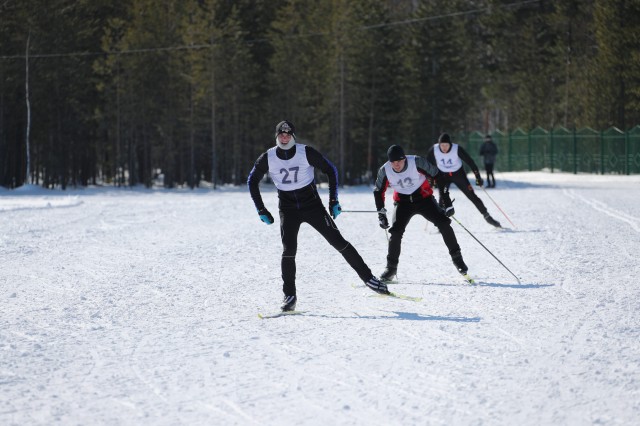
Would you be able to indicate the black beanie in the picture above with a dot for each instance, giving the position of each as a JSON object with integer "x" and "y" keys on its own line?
{"x": 285, "y": 127}
{"x": 395, "y": 153}
{"x": 444, "y": 138}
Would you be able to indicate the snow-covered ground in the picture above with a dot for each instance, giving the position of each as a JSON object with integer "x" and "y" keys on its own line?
{"x": 140, "y": 307}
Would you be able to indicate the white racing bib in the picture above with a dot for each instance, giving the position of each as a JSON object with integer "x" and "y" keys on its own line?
{"x": 449, "y": 162}
{"x": 291, "y": 174}
{"x": 407, "y": 181}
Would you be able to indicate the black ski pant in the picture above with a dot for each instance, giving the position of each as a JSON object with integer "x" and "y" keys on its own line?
{"x": 319, "y": 219}
{"x": 491, "y": 179}
{"x": 427, "y": 208}
{"x": 459, "y": 177}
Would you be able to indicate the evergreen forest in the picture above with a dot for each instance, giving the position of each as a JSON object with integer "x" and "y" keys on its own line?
{"x": 183, "y": 93}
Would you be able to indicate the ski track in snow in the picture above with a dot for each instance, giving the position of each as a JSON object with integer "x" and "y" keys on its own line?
{"x": 600, "y": 206}
{"x": 140, "y": 307}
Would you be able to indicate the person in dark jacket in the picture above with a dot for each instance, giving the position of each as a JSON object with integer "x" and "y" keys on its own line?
{"x": 408, "y": 176}
{"x": 489, "y": 151}
{"x": 448, "y": 157}
{"x": 291, "y": 167}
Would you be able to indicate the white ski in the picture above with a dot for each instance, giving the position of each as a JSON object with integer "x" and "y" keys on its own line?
{"x": 280, "y": 314}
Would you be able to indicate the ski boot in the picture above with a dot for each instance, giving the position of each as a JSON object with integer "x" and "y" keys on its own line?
{"x": 459, "y": 263}
{"x": 289, "y": 303}
{"x": 379, "y": 287}
{"x": 388, "y": 275}
{"x": 491, "y": 220}
{"x": 462, "y": 267}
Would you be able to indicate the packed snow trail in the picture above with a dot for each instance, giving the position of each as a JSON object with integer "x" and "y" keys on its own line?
{"x": 140, "y": 307}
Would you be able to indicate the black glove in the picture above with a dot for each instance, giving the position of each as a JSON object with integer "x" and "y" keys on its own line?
{"x": 479, "y": 180}
{"x": 334, "y": 208}
{"x": 265, "y": 216}
{"x": 382, "y": 218}
{"x": 432, "y": 182}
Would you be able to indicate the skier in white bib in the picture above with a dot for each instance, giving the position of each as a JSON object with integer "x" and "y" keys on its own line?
{"x": 291, "y": 166}
{"x": 448, "y": 157}
{"x": 408, "y": 176}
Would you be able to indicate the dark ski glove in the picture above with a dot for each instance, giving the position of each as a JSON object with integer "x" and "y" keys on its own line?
{"x": 432, "y": 182}
{"x": 265, "y": 216}
{"x": 479, "y": 180}
{"x": 382, "y": 218}
{"x": 334, "y": 208}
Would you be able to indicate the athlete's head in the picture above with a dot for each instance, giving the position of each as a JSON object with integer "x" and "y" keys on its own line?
{"x": 445, "y": 142}
{"x": 396, "y": 156}
{"x": 395, "y": 153}
{"x": 285, "y": 134}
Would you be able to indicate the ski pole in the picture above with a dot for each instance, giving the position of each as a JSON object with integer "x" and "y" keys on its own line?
{"x": 494, "y": 256}
{"x": 505, "y": 215}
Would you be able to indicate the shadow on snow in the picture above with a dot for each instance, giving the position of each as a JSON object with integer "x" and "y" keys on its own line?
{"x": 403, "y": 316}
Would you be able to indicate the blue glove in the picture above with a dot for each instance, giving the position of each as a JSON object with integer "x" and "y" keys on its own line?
{"x": 334, "y": 208}
{"x": 265, "y": 216}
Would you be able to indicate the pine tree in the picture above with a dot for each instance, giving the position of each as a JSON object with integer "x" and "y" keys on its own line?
{"x": 615, "y": 75}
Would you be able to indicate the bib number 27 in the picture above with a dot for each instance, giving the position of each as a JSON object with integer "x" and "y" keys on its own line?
{"x": 287, "y": 174}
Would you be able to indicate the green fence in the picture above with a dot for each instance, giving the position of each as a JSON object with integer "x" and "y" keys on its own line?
{"x": 611, "y": 151}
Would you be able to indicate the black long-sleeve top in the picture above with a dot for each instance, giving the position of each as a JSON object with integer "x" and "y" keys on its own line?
{"x": 382, "y": 182}
{"x": 462, "y": 153}
{"x": 298, "y": 199}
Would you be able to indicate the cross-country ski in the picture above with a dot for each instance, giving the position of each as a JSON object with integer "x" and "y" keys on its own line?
{"x": 280, "y": 314}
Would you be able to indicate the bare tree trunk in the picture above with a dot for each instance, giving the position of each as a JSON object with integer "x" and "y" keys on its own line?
{"x": 4, "y": 161}
{"x": 214, "y": 142}
{"x": 192, "y": 150}
{"x": 235, "y": 178}
{"x": 28, "y": 179}
{"x": 370, "y": 166}
{"x": 118, "y": 178}
{"x": 342, "y": 130}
